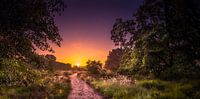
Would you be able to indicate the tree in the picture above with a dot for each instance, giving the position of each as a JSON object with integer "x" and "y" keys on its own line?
{"x": 26, "y": 25}
{"x": 164, "y": 37}
{"x": 94, "y": 67}
{"x": 50, "y": 57}
{"x": 69, "y": 65}
{"x": 38, "y": 61}
{"x": 113, "y": 59}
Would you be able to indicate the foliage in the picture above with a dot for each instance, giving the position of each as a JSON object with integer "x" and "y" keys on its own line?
{"x": 113, "y": 59}
{"x": 172, "y": 90}
{"x": 26, "y": 25}
{"x": 19, "y": 81}
{"x": 162, "y": 38}
{"x": 47, "y": 62}
{"x": 37, "y": 61}
{"x": 94, "y": 67}
{"x": 50, "y": 57}
{"x": 16, "y": 73}
{"x": 119, "y": 91}
{"x": 59, "y": 89}
{"x": 148, "y": 89}
{"x": 58, "y": 65}
{"x": 40, "y": 90}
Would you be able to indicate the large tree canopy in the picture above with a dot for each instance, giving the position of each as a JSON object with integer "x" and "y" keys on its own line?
{"x": 26, "y": 25}
{"x": 164, "y": 36}
{"x": 113, "y": 59}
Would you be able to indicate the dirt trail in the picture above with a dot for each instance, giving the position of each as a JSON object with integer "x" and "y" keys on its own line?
{"x": 81, "y": 90}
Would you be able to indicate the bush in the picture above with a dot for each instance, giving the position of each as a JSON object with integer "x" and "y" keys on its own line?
{"x": 94, "y": 67}
{"x": 16, "y": 73}
{"x": 48, "y": 87}
{"x": 50, "y": 90}
{"x": 113, "y": 60}
{"x": 154, "y": 84}
{"x": 149, "y": 89}
{"x": 181, "y": 71}
{"x": 115, "y": 90}
{"x": 38, "y": 61}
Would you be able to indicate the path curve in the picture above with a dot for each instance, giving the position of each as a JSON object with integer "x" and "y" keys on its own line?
{"x": 81, "y": 90}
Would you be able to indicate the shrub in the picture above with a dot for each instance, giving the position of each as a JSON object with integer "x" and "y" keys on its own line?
{"x": 48, "y": 86}
{"x": 181, "y": 71}
{"x": 38, "y": 61}
{"x": 16, "y": 73}
{"x": 94, "y": 67}
{"x": 114, "y": 58}
{"x": 154, "y": 84}
{"x": 149, "y": 89}
{"x": 116, "y": 90}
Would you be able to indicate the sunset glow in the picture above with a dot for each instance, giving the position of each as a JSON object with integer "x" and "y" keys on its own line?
{"x": 85, "y": 28}
{"x": 100, "y": 49}
{"x": 78, "y": 64}
{"x": 80, "y": 53}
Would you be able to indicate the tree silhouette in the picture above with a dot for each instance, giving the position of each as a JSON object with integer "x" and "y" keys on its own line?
{"x": 94, "y": 67}
{"x": 26, "y": 25}
{"x": 114, "y": 59}
{"x": 164, "y": 37}
{"x": 50, "y": 57}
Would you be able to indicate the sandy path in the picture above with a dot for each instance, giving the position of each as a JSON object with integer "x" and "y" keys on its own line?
{"x": 81, "y": 90}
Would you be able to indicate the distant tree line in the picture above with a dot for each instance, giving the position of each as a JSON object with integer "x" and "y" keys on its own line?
{"x": 54, "y": 65}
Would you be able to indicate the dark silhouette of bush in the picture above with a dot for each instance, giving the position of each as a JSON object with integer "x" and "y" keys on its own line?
{"x": 94, "y": 67}
{"x": 50, "y": 57}
{"x": 113, "y": 59}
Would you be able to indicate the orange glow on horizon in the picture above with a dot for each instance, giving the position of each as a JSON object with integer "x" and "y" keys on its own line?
{"x": 79, "y": 53}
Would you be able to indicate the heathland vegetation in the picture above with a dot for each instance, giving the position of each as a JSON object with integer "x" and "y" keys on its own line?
{"x": 159, "y": 54}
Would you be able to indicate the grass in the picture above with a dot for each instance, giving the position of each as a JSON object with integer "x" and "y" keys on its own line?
{"x": 149, "y": 89}
{"x": 117, "y": 91}
{"x": 57, "y": 91}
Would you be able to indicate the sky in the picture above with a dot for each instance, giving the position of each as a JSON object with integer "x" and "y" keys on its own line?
{"x": 85, "y": 27}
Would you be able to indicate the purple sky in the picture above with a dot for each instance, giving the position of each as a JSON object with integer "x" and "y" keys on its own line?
{"x": 85, "y": 27}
